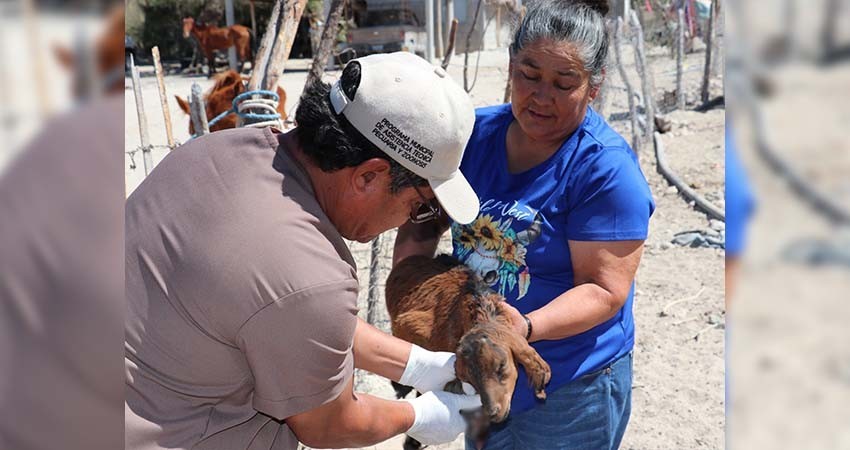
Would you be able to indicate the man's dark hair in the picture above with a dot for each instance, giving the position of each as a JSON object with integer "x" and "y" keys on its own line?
{"x": 330, "y": 140}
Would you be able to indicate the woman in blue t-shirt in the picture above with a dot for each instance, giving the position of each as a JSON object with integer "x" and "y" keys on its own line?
{"x": 564, "y": 213}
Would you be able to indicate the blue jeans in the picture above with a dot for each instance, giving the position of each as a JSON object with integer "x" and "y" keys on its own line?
{"x": 590, "y": 413}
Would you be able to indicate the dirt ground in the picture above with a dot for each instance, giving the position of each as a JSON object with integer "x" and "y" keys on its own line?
{"x": 678, "y": 397}
{"x": 789, "y": 341}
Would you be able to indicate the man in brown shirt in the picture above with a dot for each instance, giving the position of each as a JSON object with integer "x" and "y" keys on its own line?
{"x": 241, "y": 329}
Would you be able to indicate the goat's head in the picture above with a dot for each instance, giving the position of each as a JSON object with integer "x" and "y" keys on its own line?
{"x": 486, "y": 361}
{"x": 487, "y": 358}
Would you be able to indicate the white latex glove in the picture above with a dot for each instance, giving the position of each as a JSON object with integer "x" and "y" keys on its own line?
{"x": 428, "y": 371}
{"x": 437, "y": 416}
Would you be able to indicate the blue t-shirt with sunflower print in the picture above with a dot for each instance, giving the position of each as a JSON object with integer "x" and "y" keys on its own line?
{"x": 591, "y": 189}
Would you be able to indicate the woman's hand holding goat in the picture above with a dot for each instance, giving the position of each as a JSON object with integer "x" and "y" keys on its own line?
{"x": 518, "y": 321}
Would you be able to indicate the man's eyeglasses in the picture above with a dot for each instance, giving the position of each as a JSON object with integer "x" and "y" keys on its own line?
{"x": 427, "y": 209}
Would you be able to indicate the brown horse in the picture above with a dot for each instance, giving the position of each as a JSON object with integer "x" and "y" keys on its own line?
{"x": 220, "y": 97}
{"x": 212, "y": 38}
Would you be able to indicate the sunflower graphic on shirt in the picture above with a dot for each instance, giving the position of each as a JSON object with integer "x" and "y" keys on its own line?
{"x": 496, "y": 252}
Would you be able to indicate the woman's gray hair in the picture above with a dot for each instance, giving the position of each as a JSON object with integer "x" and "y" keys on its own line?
{"x": 578, "y": 22}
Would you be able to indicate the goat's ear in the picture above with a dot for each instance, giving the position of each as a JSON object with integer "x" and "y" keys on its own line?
{"x": 281, "y": 104}
{"x": 460, "y": 367}
{"x": 238, "y": 87}
{"x": 461, "y": 371}
{"x": 183, "y": 104}
{"x": 65, "y": 56}
{"x": 537, "y": 369}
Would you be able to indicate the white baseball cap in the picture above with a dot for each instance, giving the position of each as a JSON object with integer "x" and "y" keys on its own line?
{"x": 417, "y": 115}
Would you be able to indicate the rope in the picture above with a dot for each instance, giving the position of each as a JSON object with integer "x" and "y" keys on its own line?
{"x": 242, "y": 104}
{"x": 271, "y": 117}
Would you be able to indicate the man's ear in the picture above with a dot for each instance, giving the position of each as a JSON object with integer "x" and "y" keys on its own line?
{"x": 371, "y": 174}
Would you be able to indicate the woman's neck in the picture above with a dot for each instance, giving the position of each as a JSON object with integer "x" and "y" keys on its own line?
{"x": 524, "y": 152}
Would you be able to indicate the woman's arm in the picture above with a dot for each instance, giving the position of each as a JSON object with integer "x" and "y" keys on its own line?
{"x": 604, "y": 272}
{"x": 419, "y": 239}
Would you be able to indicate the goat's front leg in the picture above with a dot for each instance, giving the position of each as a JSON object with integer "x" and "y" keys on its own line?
{"x": 536, "y": 368}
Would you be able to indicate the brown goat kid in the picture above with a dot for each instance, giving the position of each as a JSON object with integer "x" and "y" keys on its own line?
{"x": 441, "y": 305}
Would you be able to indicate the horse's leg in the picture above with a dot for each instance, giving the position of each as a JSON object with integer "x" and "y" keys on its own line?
{"x": 246, "y": 52}
{"x": 240, "y": 53}
{"x": 210, "y": 62}
{"x": 242, "y": 42}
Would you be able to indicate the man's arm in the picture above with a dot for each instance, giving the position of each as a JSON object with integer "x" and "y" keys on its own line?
{"x": 398, "y": 360}
{"x": 358, "y": 420}
{"x": 378, "y": 352}
{"x": 352, "y": 420}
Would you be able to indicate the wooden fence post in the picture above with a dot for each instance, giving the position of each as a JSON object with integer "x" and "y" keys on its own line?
{"x": 291, "y": 15}
{"x": 680, "y": 55}
{"x": 450, "y": 45}
{"x": 466, "y": 86}
{"x": 618, "y": 30}
{"x": 706, "y": 76}
{"x": 275, "y": 47}
{"x": 323, "y": 52}
{"x": 646, "y": 76}
{"x": 438, "y": 33}
{"x": 374, "y": 268}
{"x": 253, "y": 19}
{"x": 198, "y": 111}
{"x": 143, "y": 120}
{"x": 163, "y": 96}
{"x": 261, "y": 59}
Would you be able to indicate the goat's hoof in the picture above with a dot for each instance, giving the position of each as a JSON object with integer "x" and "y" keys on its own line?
{"x": 540, "y": 380}
{"x": 541, "y": 395}
{"x": 401, "y": 390}
{"x": 411, "y": 444}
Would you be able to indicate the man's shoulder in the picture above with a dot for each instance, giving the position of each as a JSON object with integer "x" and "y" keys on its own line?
{"x": 232, "y": 141}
